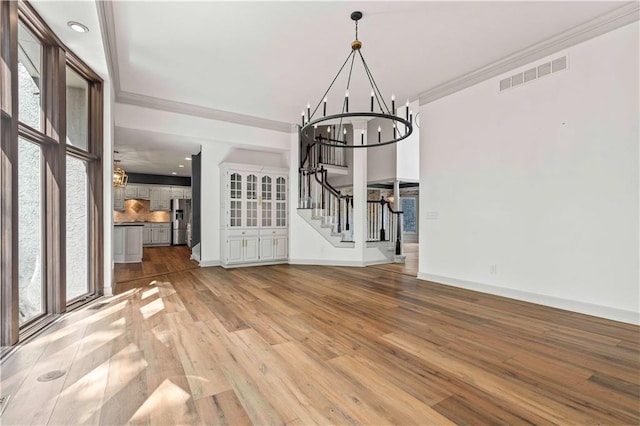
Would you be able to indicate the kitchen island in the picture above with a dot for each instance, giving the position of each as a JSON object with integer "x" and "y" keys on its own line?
{"x": 127, "y": 242}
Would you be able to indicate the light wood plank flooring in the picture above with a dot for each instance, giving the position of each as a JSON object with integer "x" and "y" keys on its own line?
{"x": 322, "y": 345}
{"x": 156, "y": 261}
{"x": 409, "y": 267}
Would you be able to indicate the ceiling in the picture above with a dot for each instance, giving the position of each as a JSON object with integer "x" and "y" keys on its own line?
{"x": 269, "y": 59}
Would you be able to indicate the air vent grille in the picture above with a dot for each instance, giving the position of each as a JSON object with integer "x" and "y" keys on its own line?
{"x": 534, "y": 73}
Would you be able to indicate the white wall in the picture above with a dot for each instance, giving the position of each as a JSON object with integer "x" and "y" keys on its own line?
{"x": 540, "y": 181}
{"x": 408, "y": 152}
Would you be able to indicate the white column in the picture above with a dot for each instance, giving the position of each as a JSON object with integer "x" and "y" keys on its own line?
{"x": 359, "y": 222}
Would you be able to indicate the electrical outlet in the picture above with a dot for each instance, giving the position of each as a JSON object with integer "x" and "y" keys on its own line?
{"x": 493, "y": 269}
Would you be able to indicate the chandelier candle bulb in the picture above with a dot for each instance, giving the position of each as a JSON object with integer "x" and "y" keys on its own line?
{"x": 303, "y": 118}
{"x": 378, "y": 109}
{"x": 411, "y": 116}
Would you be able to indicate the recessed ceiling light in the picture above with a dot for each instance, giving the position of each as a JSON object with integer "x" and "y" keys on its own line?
{"x": 174, "y": 173}
{"x": 180, "y": 165}
{"x": 78, "y": 27}
{"x": 187, "y": 158}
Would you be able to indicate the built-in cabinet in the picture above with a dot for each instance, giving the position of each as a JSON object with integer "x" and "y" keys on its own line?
{"x": 254, "y": 215}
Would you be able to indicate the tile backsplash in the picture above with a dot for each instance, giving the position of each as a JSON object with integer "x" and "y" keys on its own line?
{"x": 138, "y": 211}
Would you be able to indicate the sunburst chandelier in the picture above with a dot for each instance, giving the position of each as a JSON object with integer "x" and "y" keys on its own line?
{"x": 313, "y": 123}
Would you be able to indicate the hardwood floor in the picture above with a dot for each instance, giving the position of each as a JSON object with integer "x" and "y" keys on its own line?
{"x": 156, "y": 261}
{"x": 409, "y": 267}
{"x": 317, "y": 345}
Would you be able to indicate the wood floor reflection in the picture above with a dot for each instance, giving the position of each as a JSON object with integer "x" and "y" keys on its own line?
{"x": 156, "y": 261}
{"x": 322, "y": 345}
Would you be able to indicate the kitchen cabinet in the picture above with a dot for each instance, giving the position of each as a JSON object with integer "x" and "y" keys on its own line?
{"x": 127, "y": 243}
{"x": 254, "y": 215}
{"x": 177, "y": 192}
{"x": 118, "y": 199}
{"x": 137, "y": 192}
{"x": 157, "y": 234}
{"x": 146, "y": 234}
{"x": 159, "y": 200}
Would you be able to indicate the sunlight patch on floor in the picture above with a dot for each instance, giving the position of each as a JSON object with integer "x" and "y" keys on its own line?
{"x": 150, "y": 309}
{"x": 168, "y": 399}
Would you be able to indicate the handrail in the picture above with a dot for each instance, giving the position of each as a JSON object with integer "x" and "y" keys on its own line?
{"x": 378, "y": 225}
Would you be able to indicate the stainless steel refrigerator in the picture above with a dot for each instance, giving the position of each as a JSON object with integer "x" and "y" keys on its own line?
{"x": 180, "y": 220}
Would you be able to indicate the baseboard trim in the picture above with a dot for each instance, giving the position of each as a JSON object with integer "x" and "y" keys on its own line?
{"x": 242, "y": 265}
{"x": 377, "y": 262}
{"x": 207, "y": 263}
{"x": 607, "y": 312}
{"x": 325, "y": 262}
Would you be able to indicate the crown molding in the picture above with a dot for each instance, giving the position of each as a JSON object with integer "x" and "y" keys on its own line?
{"x": 200, "y": 111}
{"x": 107, "y": 30}
{"x": 619, "y": 17}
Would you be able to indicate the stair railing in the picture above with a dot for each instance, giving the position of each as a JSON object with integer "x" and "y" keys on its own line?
{"x": 327, "y": 202}
{"x": 384, "y": 223}
{"x": 317, "y": 155}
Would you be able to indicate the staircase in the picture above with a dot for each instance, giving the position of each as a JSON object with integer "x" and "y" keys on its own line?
{"x": 330, "y": 212}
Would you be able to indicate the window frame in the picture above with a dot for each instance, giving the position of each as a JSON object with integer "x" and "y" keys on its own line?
{"x": 52, "y": 140}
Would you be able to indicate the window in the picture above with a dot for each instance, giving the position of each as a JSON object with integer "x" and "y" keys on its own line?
{"x": 29, "y": 77}
{"x": 31, "y": 293}
{"x": 409, "y": 214}
{"x": 77, "y": 228}
{"x": 53, "y": 202}
{"x": 77, "y": 110}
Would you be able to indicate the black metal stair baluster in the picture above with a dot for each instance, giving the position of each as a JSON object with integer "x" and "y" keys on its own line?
{"x": 382, "y": 231}
{"x": 398, "y": 234}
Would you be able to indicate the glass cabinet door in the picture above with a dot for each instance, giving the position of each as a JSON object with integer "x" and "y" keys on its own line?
{"x": 252, "y": 200}
{"x": 235, "y": 202}
{"x": 267, "y": 201}
{"x": 281, "y": 201}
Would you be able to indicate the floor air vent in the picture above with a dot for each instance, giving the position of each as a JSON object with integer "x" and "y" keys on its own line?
{"x": 534, "y": 73}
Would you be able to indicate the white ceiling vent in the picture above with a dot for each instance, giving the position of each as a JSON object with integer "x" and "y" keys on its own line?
{"x": 534, "y": 73}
